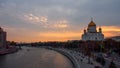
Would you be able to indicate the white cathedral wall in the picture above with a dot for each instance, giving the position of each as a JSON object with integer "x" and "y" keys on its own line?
{"x": 93, "y": 36}
{"x": 92, "y": 29}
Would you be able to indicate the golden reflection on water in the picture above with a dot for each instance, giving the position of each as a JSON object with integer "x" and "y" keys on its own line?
{"x": 61, "y": 60}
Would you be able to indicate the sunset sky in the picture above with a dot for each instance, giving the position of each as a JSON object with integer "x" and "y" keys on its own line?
{"x": 57, "y": 20}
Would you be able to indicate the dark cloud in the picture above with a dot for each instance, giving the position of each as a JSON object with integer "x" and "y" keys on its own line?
{"x": 76, "y": 12}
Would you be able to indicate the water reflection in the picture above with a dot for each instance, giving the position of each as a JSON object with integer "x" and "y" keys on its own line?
{"x": 35, "y": 58}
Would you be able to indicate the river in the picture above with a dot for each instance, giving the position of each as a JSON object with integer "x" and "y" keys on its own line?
{"x": 30, "y": 57}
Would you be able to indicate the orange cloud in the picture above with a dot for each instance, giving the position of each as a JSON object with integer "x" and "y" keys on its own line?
{"x": 24, "y": 35}
{"x": 110, "y": 31}
{"x": 60, "y": 36}
{"x": 46, "y": 36}
{"x": 111, "y": 28}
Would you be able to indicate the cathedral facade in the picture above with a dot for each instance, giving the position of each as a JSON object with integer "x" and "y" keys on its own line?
{"x": 92, "y": 34}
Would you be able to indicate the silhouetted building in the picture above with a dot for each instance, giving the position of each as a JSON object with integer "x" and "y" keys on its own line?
{"x": 116, "y": 38}
{"x": 92, "y": 34}
{"x": 2, "y": 38}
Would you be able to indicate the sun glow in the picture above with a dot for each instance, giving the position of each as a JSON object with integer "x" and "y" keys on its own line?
{"x": 110, "y": 31}
{"x": 24, "y": 35}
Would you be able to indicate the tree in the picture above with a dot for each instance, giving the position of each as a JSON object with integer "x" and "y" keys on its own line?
{"x": 12, "y": 43}
{"x": 112, "y": 65}
{"x": 101, "y": 60}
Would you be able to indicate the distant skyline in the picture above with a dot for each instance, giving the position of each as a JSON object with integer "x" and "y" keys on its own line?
{"x": 57, "y": 20}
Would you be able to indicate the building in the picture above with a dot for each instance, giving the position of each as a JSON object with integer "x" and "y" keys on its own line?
{"x": 116, "y": 38}
{"x": 92, "y": 34}
{"x": 2, "y": 38}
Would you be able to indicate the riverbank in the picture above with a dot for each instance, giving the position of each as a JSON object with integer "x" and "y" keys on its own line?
{"x": 5, "y": 51}
{"x": 85, "y": 61}
{"x": 68, "y": 55}
{"x": 78, "y": 59}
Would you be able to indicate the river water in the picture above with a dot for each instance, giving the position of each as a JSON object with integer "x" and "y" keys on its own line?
{"x": 30, "y": 57}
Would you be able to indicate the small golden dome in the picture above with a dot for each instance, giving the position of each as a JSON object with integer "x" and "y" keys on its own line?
{"x": 1, "y": 29}
{"x": 91, "y": 24}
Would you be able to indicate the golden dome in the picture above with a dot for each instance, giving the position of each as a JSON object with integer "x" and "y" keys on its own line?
{"x": 1, "y": 29}
{"x": 91, "y": 24}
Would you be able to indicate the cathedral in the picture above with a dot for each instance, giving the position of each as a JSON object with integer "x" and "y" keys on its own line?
{"x": 92, "y": 34}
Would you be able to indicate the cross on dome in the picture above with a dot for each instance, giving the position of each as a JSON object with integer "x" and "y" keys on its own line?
{"x": 91, "y": 23}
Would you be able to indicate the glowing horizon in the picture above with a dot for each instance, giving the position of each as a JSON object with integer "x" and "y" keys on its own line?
{"x": 108, "y": 31}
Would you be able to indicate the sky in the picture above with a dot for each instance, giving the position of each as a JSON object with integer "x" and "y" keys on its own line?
{"x": 57, "y": 20}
